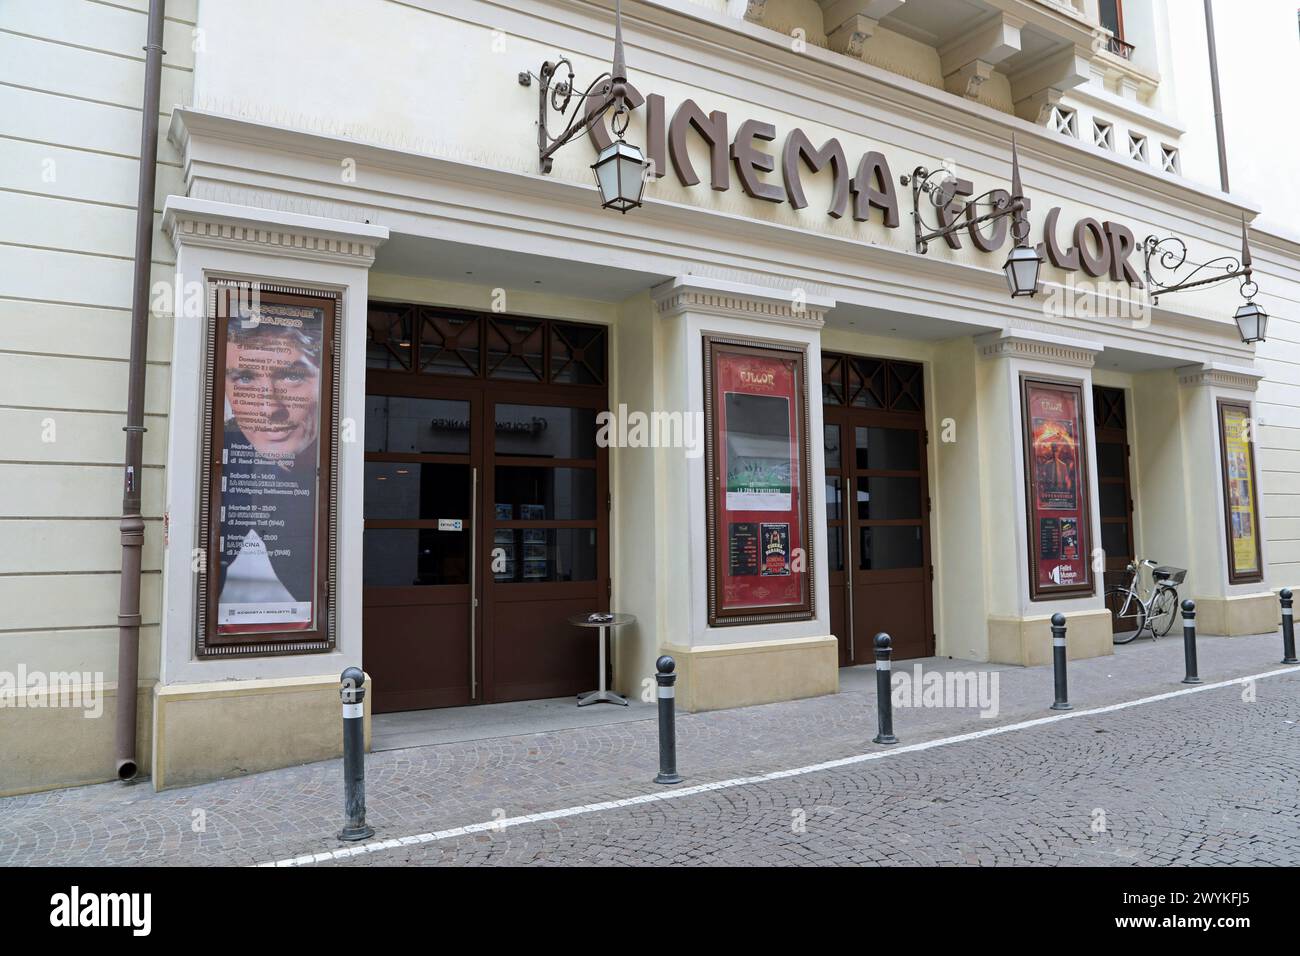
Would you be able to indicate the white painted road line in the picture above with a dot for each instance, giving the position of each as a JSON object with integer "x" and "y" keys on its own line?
{"x": 677, "y": 793}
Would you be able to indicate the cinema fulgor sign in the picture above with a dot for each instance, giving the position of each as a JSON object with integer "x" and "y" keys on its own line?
{"x": 1098, "y": 248}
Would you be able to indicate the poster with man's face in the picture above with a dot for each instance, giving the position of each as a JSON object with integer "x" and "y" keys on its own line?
{"x": 268, "y": 500}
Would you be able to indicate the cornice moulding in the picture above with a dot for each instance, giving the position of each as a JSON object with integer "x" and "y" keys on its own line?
{"x": 202, "y": 222}
{"x": 1038, "y": 346}
{"x": 717, "y": 297}
{"x": 1220, "y": 375}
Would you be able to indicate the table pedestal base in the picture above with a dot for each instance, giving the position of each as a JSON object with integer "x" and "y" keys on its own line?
{"x": 601, "y": 697}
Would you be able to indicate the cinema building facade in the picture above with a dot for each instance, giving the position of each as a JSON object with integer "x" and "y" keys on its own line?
{"x": 414, "y": 401}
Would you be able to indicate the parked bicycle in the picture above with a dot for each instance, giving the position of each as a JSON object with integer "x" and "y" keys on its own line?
{"x": 1156, "y": 611}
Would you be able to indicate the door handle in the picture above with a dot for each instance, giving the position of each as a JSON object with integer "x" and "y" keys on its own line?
{"x": 473, "y": 583}
{"x": 848, "y": 565}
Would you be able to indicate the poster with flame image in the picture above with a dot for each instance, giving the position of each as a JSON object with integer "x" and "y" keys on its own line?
{"x": 1056, "y": 464}
{"x": 1058, "y": 529}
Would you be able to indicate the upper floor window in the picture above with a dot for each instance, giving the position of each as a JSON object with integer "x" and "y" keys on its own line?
{"x": 1112, "y": 18}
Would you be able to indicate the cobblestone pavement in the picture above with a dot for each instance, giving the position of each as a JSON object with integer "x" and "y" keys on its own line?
{"x": 1204, "y": 778}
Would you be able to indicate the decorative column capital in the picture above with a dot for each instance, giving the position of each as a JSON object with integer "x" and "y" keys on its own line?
{"x": 1039, "y": 346}
{"x": 1220, "y": 375}
{"x": 797, "y": 306}
{"x": 270, "y": 232}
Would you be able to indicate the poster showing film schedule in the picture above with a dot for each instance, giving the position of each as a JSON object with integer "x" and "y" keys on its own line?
{"x": 758, "y": 473}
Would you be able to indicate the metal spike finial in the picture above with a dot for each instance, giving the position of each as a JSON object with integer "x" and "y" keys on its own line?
{"x": 618, "y": 72}
{"x": 1017, "y": 192}
{"x": 1245, "y": 247}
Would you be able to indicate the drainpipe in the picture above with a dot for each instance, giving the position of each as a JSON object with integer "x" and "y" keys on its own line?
{"x": 1214, "y": 89}
{"x": 132, "y": 524}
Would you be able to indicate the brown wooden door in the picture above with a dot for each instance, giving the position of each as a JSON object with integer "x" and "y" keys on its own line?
{"x": 545, "y": 544}
{"x": 1114, "y": 492}
{"x": 878, "y": 507}
{"x": 890, "y": 539}
{"x": 486, "y": 507}
{"x": 837, "y": 532}
{"x": 423, "y": 458}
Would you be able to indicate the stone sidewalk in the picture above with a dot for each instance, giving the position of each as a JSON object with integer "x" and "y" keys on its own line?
{"x": 296, "y": 811}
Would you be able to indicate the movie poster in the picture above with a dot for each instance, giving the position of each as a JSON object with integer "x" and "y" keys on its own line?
{"x": 1058, "y": 500}
{"x": 757, "y": 467}
{"x": 1239, "y": 482}
{"x": 268, "y": 498}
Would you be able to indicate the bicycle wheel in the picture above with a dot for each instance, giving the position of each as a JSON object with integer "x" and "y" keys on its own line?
{"x": 1164, "y": 608}
{"x": 1115, "y": 598}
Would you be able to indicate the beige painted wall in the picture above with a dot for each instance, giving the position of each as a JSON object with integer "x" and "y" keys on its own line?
{"x": 71, "y": 80}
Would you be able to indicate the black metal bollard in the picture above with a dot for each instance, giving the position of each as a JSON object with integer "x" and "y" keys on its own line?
{"x": 1189, "y": 641}
{"x": 1288, "y": 629}
{"x": 884, "y": 702}
{"x": 665, "y": 678}
{"x": 353, "y": 694}
{"x": 1058, "y": 663}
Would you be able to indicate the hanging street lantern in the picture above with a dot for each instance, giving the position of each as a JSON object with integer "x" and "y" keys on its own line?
{"x": 620, "y": 174}
{"x": 1022, "y": 271}
{"x": 1251, "y": 321}
{"x": 620, "y": 168}
{"x": 1170, "y": 255}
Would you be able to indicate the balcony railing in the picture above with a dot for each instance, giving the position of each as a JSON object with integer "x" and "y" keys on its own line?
{"x": 1117, "y": 46}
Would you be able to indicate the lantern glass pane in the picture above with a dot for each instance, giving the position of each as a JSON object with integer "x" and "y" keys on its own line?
{"x": 1022, "y": 271}
{"x": 1251, "y": 321}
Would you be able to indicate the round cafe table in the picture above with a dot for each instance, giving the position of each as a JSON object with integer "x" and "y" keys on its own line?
{"x": 602, "y": 694}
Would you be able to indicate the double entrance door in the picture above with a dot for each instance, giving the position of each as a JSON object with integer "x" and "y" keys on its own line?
{"x": 877, "y": 508}
{"x": 486, "y": 527}
{"x": 1114, "y": 493}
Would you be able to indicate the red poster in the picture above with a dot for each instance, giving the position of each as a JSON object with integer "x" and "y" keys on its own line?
{"x": 757, "y": 473}
{"x": 1058, "y": 499}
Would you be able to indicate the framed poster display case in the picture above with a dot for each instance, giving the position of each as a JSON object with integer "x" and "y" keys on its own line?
{"x": 1058, "y": 509}
{"x": 759, "y": 519}
{"x": 1240, "y": 494}
{"x": 268, "y": 512}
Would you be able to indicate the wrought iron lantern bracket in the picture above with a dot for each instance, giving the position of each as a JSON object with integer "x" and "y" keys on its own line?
{"x": 610, "y": 86}
{"x": 1169, "y": 256}
{"x": 559, "y": 95}
{"x": 934, "y": 184}
{"x": 940, "y": 186}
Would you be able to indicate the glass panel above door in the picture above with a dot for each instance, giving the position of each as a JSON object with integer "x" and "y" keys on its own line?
{"x": 390, "y": 330}
{"x": 514, "y": 350}
{"x": 449, "y": 343}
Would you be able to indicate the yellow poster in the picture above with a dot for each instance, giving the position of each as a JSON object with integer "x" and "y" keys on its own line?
{"x": 1239, "y": 472}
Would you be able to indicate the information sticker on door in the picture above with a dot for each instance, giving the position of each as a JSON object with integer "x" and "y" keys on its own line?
{"x": 451, "y": 524}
